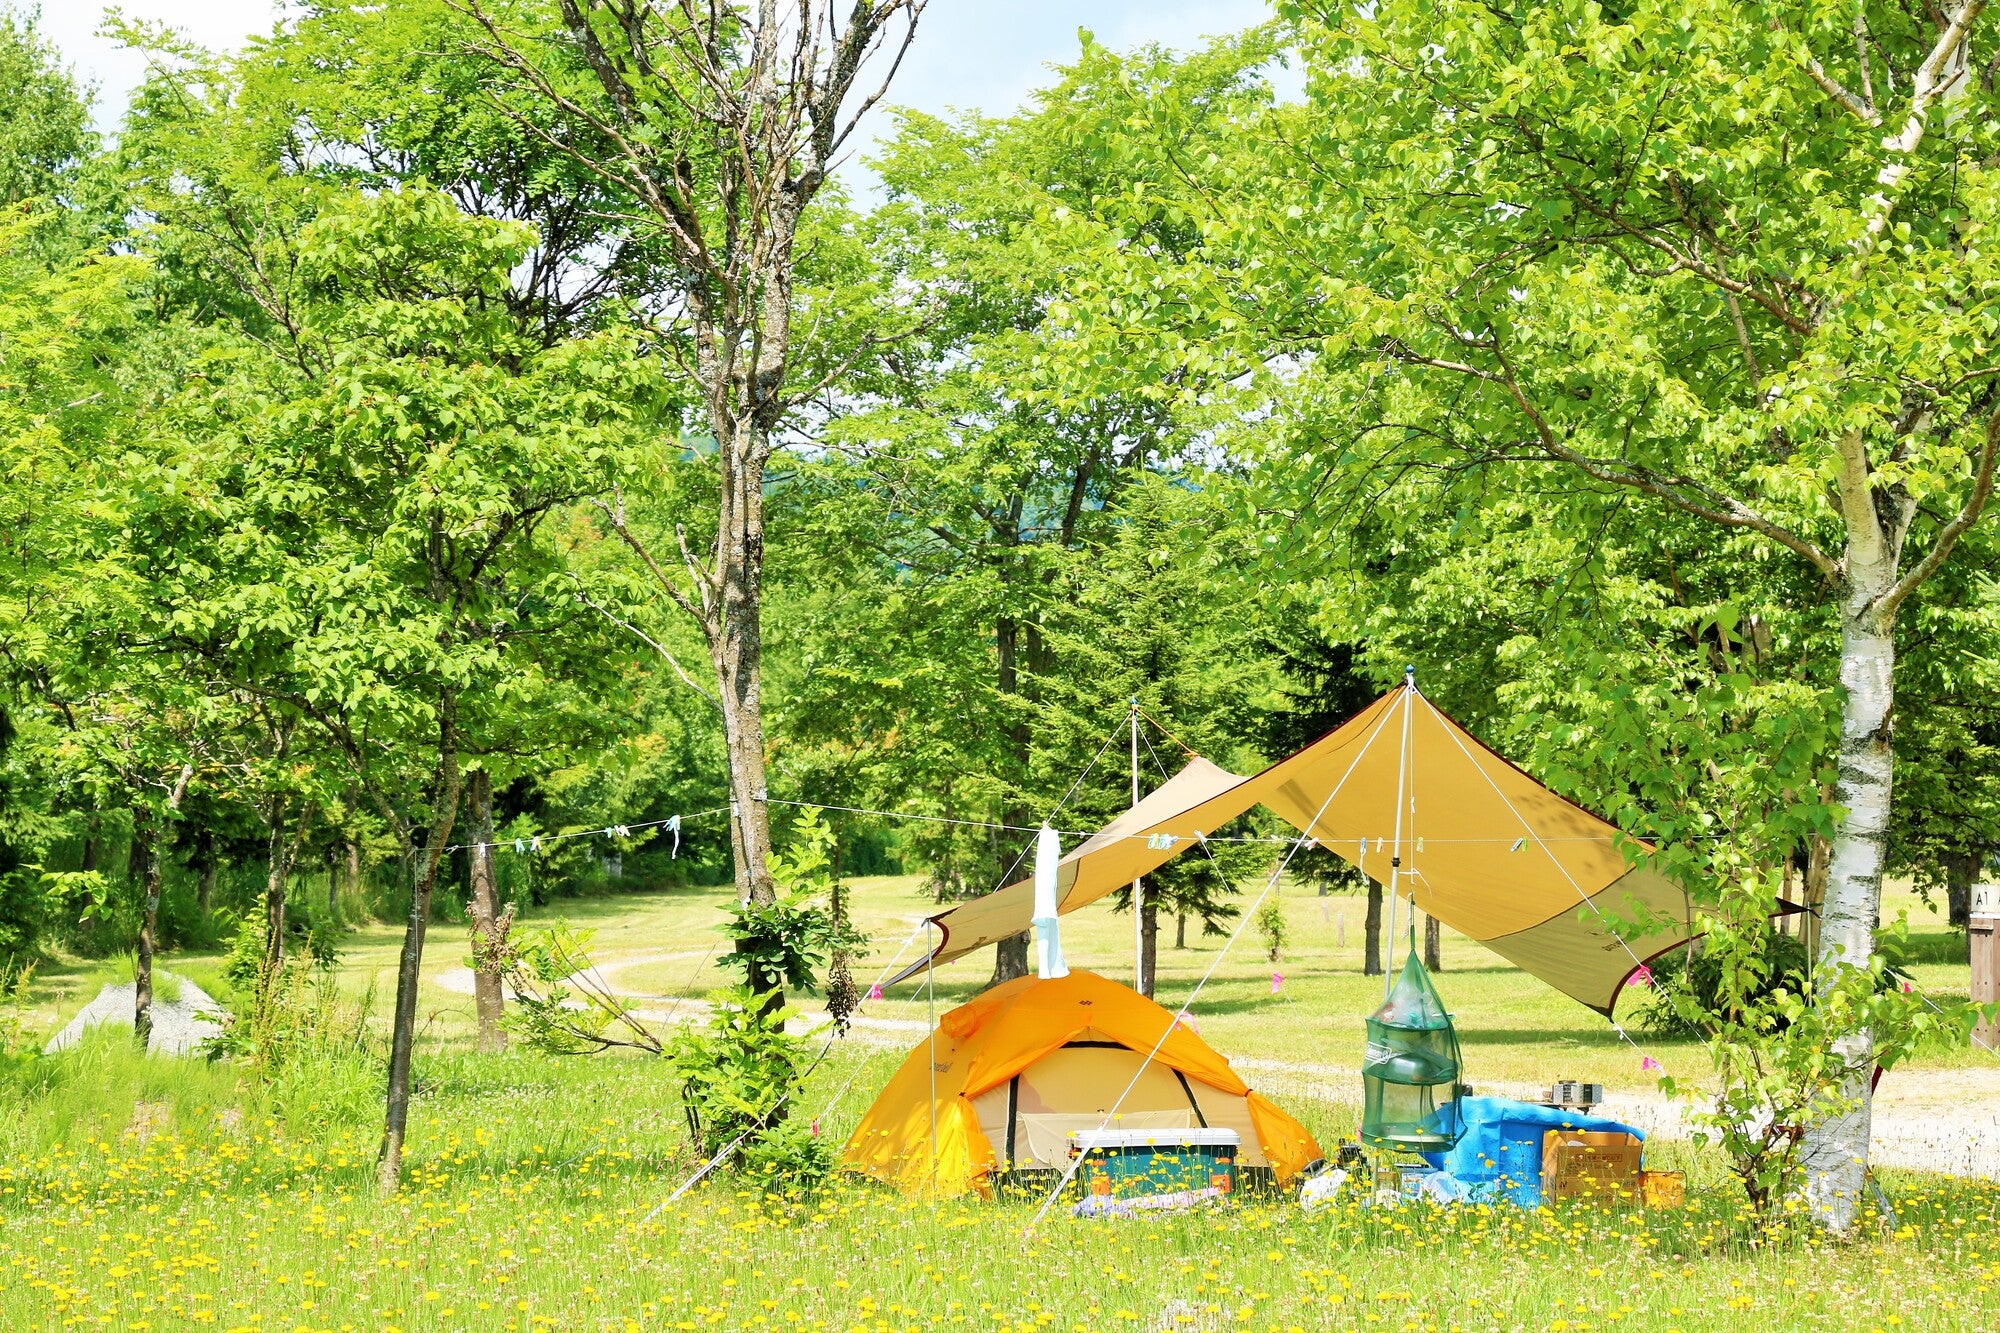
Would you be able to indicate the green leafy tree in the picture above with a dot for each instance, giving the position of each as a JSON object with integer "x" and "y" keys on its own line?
{"x": 967, "y": 491}
{"x": 45, "y": 121}
{"x": 1551, "y": 246}
{"x": 722, "y": 127}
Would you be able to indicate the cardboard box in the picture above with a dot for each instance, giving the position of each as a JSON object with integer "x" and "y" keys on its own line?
{"x": 1590, "y": 1164}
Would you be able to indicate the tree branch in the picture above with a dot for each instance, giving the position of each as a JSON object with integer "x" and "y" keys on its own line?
{"x": 1968, "y": 514}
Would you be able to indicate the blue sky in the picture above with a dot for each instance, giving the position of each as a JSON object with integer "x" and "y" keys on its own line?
{"x": 970, "y": 54}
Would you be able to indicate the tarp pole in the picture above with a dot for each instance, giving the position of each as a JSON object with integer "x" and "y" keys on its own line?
{"x": 1396, "y": 851}
{"x": 1139, "y": 977}
{"x": 930, "y": 1016}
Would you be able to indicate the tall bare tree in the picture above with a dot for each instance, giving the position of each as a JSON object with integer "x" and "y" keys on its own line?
{"x": 723, "y": 121}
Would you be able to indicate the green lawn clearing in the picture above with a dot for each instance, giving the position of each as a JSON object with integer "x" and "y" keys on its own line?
{"x": 161, "y": 1194}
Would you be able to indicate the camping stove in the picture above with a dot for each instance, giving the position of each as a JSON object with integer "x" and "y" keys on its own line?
{"x": 1574, "y": 1096}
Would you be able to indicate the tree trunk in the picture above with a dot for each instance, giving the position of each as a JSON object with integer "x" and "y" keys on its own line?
{"x": 149, "y": 915}
{"x": 1819, "y": 855}
{"x": 1961, "y": 872}
{"x": 409, "y": 965}
{"x": 1180, "y": 930}
{"x": 204, "y": 883}
{"x": 274, "y": 892}
{"x": 1010, "y": 959}
{"x": 146, "y": 835}
{"x": 1371, "y": 957}
{"x": 736, "y": 647}
{"x": 135, "y": 852}
{"x": 1010, "y": 956}
{"x": 1836, "y": 1144}
{"x": 487, "y": 938}
{"x": 1149, "y": 948}
{"x": 1433, "y": 945}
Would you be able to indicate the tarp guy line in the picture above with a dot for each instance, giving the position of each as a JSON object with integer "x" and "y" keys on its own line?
{"x": 1069, "y": 1172}
{"x": 1647, "y": 1062}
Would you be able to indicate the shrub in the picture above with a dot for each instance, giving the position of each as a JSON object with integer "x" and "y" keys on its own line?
{"x": 1270, "y": 922}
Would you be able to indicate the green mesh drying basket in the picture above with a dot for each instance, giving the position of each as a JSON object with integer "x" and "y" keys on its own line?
{"x": 1410, "y": 1071}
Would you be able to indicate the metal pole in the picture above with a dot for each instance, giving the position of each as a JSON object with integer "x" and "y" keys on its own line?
{"x": 1396, "y": 852}
{"x": 1138, "y": 885}
{"x": 1983, "y": 934}
{"x": 930, "y": 1017}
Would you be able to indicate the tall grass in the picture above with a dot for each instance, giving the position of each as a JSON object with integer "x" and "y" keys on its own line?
{"x": 526, "y": 1202}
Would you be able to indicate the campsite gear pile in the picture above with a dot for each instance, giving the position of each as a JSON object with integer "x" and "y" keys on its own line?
{"x": 1528, "y": 1155}
{"x": 1569, "y": 1093}
{"x": 1070, "y": 1075}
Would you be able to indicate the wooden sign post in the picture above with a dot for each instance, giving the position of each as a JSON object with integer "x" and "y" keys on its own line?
{"x": 1985, "y": 930}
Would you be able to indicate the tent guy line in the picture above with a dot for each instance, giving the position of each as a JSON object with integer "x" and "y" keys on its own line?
{"x": 1243, "y": 919}
{"x": 1647, "y": 1063}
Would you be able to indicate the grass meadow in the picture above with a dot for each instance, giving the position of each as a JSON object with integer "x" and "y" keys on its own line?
{"x": 152, "y": 1194}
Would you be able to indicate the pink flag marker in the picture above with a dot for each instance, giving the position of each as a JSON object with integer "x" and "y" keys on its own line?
{"x": 1277, "y": 980}
{"x": 1649, "y": 1065}
{"x": 875, "y": 992}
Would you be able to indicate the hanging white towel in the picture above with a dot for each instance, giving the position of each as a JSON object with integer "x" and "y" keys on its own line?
{"x": 1048, "y": 932}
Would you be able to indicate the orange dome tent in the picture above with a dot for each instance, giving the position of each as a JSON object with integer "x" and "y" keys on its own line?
{"x": 1007, "y": 1077}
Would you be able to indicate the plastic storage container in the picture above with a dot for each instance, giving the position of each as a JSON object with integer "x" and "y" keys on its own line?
{"x": 1140, "y": 1163}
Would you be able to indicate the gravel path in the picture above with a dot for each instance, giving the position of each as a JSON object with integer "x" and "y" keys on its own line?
{"x": 177, "y": 1027}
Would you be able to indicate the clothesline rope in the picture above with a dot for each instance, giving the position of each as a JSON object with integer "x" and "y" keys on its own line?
{"x": 1273, "y": 840}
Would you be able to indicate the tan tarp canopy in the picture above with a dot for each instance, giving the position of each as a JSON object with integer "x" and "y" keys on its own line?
{"x": 1486, "y": 849}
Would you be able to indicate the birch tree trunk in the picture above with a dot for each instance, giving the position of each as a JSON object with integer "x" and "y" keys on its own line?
{"x": 1433, "y": 945}
{"x": 487, "y": 937}
{"x": 1836, "y": 1146}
